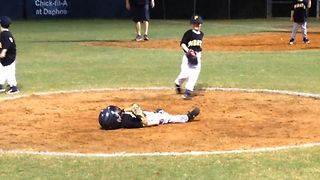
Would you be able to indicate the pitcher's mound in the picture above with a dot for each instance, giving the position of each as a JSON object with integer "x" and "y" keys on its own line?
{"x": 68, "y": 122}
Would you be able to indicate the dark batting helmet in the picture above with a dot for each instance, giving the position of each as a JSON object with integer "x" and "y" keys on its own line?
{"x": 5, "y": 21}
{"x": 196, "y": 19}
{"x": 110, "y": 117}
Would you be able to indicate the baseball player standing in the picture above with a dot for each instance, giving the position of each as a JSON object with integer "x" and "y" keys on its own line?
{"x": 7, "y": 57}
{"x": 299, "y": 17}
{"x": 141, "y": 14}
{"x": 191, "y": 42}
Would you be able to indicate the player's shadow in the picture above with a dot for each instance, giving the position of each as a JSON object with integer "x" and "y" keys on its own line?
{"x": 200, "y": 89}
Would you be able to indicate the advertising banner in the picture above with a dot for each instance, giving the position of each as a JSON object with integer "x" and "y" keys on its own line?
{"x": 48, "y": 8}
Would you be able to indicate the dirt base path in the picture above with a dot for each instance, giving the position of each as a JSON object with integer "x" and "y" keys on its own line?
{"x": 276, "y": 41}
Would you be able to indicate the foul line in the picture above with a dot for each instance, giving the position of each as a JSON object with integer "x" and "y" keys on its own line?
{"x": 191, "y": 153}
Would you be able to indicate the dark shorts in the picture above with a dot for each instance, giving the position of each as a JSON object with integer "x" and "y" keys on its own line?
{"x": 141, "y": 13}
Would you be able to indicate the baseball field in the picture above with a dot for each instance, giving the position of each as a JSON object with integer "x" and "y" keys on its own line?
{"x": 259, "y": 99}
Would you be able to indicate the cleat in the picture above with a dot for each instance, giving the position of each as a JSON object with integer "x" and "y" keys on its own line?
{"x": 187, "y": 95}
{"x": 178, "y": 89}
{"x": 194, "y": 113}
{"x": 138, "y": 38}
{"x": 13, "y": 90}
{"x": 146, "y": 37}
{"x": 291, "y": 41}
{"x": 306, "y": 40}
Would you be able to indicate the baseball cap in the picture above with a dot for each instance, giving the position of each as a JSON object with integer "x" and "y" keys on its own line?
{"x": 5, "y": 21}
{"x": 196, "y": 19}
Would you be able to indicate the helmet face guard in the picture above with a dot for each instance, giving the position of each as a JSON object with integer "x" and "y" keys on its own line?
{"x": 110, "y": 117}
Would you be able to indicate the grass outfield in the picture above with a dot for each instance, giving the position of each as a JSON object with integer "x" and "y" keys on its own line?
{"x": 293, "y": 164}
{"x": 50, "y": 58}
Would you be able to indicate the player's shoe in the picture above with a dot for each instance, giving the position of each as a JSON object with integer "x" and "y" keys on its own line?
{"x": 192, "y": 114}
{"x": 306, "y": 40}
{"x": 187, "y": 95}
{"x": 146, "y": 37}
{"x": 291, "y": 41}
{"x": 13, "y": 90}
{"x": 178, "y": 89}
{"x": 138, "y": 38}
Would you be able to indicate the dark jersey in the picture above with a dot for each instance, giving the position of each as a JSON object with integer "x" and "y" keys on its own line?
{"x": 299, "y": 8}
{"x": 193, "y": 39}
{"x": 127, "y": 121}
{"x": 8, "y": 42}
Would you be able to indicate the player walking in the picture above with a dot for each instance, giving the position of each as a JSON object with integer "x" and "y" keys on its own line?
{"x": 7, "y": 57}
{"x": 299, "y": 17}
{"x": 190, "y": 70}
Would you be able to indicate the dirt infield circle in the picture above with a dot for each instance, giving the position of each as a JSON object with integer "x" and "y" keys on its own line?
{"x": 67, "y": 122}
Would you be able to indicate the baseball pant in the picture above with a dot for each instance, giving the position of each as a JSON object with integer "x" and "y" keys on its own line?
{"x": 189, "y": 73}
{"x": 8, "y": 73}
{"x": 155, "y": 118}
{"x": 295, "y": 29}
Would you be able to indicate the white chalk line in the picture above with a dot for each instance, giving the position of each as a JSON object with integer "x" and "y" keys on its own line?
{"x": 283, "y": 92}
{"x": 191, "y": 153}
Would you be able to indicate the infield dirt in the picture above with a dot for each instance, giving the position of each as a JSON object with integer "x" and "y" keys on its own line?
{"x": 68, "y": 122}
{"x": 276, "y": 41}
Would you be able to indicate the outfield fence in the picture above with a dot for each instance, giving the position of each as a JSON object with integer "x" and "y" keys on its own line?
{"x": 164, "y": 9}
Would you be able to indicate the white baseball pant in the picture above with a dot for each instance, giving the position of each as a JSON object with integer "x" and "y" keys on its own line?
{"x": 8, "y": 73}
{"x": 189, "y": 73}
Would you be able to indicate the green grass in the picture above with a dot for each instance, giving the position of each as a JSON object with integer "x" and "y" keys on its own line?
{"x": 71, "y": 66}
{"x": 295, "y": 71}
{"x": 50, "y": 58}
{"x": 293, "y": 164}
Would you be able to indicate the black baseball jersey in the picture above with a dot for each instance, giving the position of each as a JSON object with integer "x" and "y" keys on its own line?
{"x": 299, "y": 8}
{"x": 7, "y": 42}
{"x": 127, "y": 121}
{"x": 193, "y": 39}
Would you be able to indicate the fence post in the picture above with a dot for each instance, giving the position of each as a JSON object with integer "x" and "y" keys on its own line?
{"x": 229, "y": 9}
{"x": 194, "y": 7}
{"x": 318, "y": 4}
{"x": 269, "y": 8}
{"x": 164, "y": 9}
